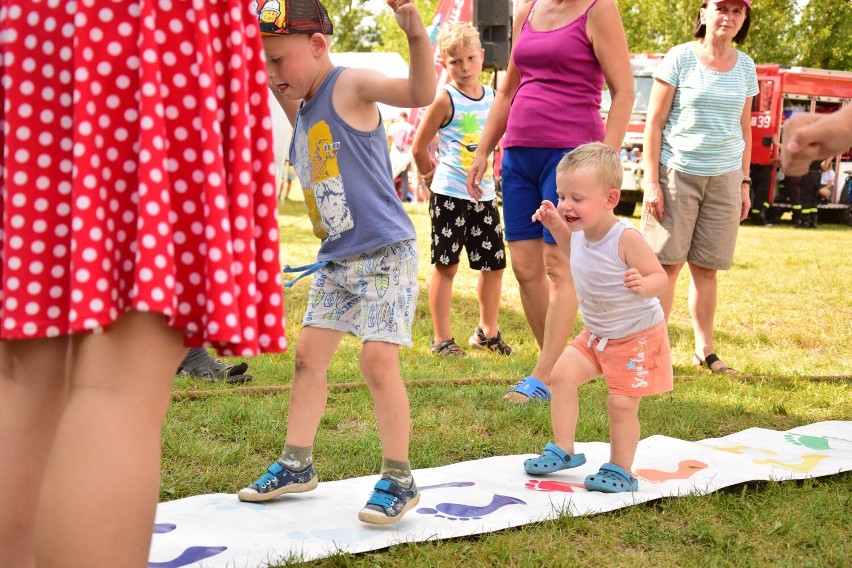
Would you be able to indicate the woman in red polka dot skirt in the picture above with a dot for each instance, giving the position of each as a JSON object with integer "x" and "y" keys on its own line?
{"x": 138, "y": 218}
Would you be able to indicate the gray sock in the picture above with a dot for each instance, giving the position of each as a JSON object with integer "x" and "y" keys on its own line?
{"x": 398, "y": 471}
{"x": 296, "y": 458}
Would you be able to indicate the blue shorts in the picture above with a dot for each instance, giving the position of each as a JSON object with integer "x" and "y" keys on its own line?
{"x": 528, "y": 178}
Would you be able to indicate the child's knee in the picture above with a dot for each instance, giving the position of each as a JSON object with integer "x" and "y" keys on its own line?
{"x": 622, "y": 405}
{"x": 447, "y": 270}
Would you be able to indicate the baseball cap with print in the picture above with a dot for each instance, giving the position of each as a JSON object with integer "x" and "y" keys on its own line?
{"x": 284, "y": 17}
{"x": 746, "y": 2}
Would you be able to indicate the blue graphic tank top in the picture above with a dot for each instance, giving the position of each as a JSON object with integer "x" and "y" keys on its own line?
{"x": 346, "y": 179}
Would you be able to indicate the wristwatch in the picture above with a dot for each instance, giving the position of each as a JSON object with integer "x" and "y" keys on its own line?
{"x": 747, "y": 181}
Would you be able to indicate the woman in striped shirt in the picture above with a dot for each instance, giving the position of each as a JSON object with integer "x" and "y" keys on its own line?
{"x": 696, "y": 150}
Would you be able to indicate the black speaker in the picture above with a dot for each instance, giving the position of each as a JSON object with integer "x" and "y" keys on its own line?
{"x": 493, "y": 19}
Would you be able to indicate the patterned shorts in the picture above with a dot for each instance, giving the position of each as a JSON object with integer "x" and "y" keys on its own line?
{"x": 639, "y": 364}
{"x": 372, "y": 295}
{"x": 473, "y": 225}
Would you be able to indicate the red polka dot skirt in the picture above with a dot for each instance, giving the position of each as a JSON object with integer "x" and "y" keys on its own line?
{"x": 137, "y": 171}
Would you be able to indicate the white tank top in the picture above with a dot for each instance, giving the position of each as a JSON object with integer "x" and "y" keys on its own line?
{"x": 609, "y": 310}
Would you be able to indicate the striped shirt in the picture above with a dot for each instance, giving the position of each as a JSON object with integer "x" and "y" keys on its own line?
{"x": 703, "y": 134}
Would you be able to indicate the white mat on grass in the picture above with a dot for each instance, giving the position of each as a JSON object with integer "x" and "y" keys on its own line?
{"x": 480, "y": 496}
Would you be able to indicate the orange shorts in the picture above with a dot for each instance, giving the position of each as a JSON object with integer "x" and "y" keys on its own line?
{"x": 636, "y": 365}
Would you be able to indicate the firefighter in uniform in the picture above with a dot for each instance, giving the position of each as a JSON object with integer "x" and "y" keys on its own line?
{"x": 760, "y": 178}
{"x": 810, "y": 195}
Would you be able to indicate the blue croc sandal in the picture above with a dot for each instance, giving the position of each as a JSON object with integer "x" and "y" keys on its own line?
{"x": 532, "y": 388}
{"x": 553, "y": 459}
{"x": 611, "y": 479}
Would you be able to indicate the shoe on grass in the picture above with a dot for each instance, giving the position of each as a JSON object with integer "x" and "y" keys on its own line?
{"x": 279, "y": 480}
{"x": 200, "y": 364}
{"x": 448, "y": 348}
{"x": 527, "y": 390}
{"x": 495, "y": 343}
{"x": 389, "y": 502}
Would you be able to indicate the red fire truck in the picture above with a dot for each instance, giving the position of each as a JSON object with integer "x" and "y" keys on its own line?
{"x": 643, "y": 65}
{"x": 783, "y": 91}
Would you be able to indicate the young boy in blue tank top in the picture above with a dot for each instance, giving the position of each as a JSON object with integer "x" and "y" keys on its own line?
{"x": 458, "y": 220}
{"x": 365, "y": 281}
{"x": 625, "y": 339}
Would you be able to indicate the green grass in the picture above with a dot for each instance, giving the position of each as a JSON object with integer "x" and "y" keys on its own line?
{"x": 784, "y": 321}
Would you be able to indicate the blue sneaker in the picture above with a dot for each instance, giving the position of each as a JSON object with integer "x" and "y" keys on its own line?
{"x": 279, "y": 480}
{"x": 388, "y": 503}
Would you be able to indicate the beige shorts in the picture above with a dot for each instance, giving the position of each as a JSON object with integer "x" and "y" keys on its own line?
{"x": 701, "y": 218}
{"x": 639, "y": 364}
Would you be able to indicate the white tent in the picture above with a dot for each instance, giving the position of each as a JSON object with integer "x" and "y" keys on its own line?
{"x": 389, "y": 63}
{"x": 393, "y": 65}
{"x": 281, "y": 133}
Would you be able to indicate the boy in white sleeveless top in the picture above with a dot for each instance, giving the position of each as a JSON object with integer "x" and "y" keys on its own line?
{"x": 625, "y": 338}
{"x": 459, "y": 221}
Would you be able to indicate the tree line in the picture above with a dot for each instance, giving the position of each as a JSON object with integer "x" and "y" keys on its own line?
{"x": 810, "y": 33}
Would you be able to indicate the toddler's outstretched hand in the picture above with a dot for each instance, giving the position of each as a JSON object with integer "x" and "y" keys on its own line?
{"x": 547, "y": 215}
{"x": 634, "y": 282}
{"x": 407, "y": 16}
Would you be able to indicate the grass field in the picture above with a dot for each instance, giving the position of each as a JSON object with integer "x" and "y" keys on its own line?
{"x": 784, "y": 321}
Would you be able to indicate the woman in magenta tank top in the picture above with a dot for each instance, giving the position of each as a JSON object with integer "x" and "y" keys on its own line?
{"x": 549, "y": 103}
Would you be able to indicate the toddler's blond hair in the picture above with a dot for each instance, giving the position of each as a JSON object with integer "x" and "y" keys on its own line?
{"x": 597, "y": 158}
{"x": 456, "y": 35}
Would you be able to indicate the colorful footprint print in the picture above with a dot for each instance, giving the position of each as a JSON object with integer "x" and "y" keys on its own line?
{"x": 450, "y": 484}
{"x": 462, "y": 512}
{"x": 808, "y": 463}
{"x": 190, "y": 555}
{"x": 811, "y": 442}
{"x": 552, "y": 486}
{"x": 739, "y": 450}
{"x": 685, "y": 470}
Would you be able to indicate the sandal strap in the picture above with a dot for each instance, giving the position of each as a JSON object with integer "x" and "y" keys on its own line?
{"x": 713, "y": 358}
{"x": 532, "y": 388}
{"x": 554, "y": 450}
{"x": 449, "y": 345}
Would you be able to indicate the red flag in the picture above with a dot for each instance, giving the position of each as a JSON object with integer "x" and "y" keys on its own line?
{"x": 446, "y": 12}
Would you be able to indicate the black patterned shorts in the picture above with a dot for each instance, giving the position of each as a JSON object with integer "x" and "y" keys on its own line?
{"x": 474, "y": 225}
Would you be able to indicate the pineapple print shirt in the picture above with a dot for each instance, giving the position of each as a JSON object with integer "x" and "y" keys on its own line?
{"x": 346, "y": 179}
{"x": 457, "y": 141}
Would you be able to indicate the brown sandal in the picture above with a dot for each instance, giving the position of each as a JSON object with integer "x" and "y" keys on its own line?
{"x": 448, "y": 348}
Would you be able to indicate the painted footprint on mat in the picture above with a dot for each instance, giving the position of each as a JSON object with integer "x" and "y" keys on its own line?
{"x": 462, "y": 512}
{"x": 450, "y": 484}
{"x": 811, "y": 442}
{"x": 685, "y": 470}
{"x": 739, "y": 450}
{"x": 189, "y": 556}
{"x": 545, "y": 485}
{"x": 808, "y": 463}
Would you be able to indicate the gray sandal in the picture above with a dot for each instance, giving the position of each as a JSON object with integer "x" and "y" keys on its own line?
{"x": 448, "y": 348}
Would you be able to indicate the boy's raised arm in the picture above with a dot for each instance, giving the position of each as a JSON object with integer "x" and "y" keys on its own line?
{"x": 418, "y": 89}
{"x": 421, "y": 70}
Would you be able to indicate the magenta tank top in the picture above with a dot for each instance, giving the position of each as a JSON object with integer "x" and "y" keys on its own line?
{"x": 558, "y": 101}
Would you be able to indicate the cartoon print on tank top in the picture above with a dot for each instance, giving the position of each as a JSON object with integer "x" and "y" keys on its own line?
{"x": 324, "y": 196}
